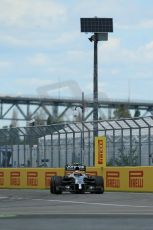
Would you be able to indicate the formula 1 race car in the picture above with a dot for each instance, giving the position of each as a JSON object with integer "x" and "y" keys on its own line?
{"x": 76, "y": 181}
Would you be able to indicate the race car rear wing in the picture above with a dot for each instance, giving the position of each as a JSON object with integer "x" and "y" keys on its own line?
{"x": 75, "y": 167}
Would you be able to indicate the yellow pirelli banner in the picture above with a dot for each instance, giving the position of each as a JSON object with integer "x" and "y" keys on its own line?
{"x": 34, "y": 178}
{"x": 27, "y": 177}
{"x": 100, "y": 151}
{"x": 132, "y": 179}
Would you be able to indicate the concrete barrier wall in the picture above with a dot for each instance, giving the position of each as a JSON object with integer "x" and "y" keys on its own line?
{"x": 132, "y": 179}
{"x": 34, "y": 177}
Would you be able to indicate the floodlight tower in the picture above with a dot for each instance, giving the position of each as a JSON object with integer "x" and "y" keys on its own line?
{"x": 100, "y": 27}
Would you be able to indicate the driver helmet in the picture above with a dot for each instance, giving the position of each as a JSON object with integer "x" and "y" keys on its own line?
{"x": 77, "y": 171}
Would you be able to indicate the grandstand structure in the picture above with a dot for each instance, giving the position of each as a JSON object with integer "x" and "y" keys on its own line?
{"x": 27, "y": 107}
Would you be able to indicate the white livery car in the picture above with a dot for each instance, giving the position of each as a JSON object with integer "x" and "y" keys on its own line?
{"x": 76, "y": 181}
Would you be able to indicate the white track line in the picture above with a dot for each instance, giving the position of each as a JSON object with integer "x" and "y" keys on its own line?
{"x": 98, "y": 214}
{"x": 99, "y": 204}
{"x": 3, "y": 197}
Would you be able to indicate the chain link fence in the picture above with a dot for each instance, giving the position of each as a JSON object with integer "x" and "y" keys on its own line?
{"x": 129, "y": 143}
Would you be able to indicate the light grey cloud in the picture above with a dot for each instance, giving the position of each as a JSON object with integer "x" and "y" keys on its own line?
{"x": 13, "y": 40}
{"x": 5, "y": 64}
{"x": 114, "y": 51}
{"x": 38, "y": 40}
{"x": 32, "y": 83}
{"x": 31, "y": 13}
{"x": 146, "y": 24}
{"x": 45, "y": 39}
{"x": 39, "y": 59}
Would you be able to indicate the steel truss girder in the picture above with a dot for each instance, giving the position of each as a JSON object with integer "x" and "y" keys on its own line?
{"x": 7, "y": 104}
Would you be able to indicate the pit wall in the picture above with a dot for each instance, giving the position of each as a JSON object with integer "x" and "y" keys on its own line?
{"x": 34, "y": 178}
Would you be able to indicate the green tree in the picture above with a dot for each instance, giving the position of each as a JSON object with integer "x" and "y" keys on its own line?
{"x": 40, "y": 117}
{"x": 126, "y": 157}
{"x": 54, "y": 117}
{"x": 49, "y": 120}
{"x": 122, "y": 112}
{"x": 137, "y": 113}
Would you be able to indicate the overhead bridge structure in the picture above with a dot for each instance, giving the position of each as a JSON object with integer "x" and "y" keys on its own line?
{"x": 27, "y": 107}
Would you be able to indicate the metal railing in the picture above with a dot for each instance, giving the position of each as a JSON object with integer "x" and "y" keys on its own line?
{"x": 129, "y": 142}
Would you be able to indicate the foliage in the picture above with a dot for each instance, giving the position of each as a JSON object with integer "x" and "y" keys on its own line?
{"x": 122, "y": 112}
{"x": 40, "y": 117}
{"x": 125, "y": 158}
{"x": 49, "y": 120}
{"x": 137, "y": 113}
